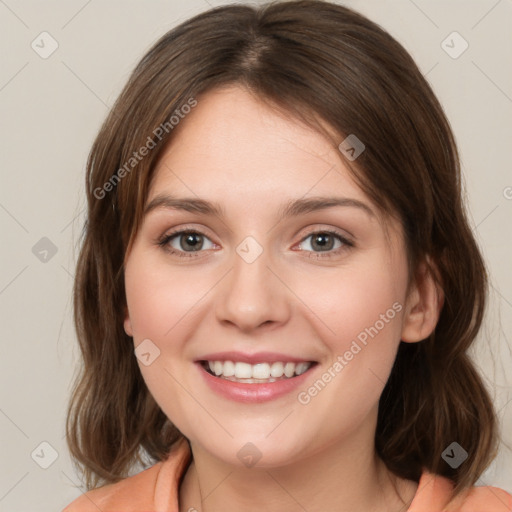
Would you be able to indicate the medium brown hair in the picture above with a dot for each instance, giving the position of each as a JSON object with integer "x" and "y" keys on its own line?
{"x": 321, "y": 63}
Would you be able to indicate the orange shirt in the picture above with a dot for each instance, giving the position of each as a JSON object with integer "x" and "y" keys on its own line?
{"x": 156, "y": 490}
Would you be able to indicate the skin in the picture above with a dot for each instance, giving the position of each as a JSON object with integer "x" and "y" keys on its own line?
{"x": 235, "y": 150}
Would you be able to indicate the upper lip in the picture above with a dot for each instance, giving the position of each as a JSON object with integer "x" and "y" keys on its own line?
{"x": 258, "y": 357}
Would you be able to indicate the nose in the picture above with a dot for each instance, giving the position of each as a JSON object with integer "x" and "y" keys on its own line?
{"x": 253, "y": 295}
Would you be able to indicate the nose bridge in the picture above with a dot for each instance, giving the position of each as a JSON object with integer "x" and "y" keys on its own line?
{"x": 252, "y": 295}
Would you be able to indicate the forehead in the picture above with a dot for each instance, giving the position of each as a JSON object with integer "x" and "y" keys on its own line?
{"x": 234, "y": 144}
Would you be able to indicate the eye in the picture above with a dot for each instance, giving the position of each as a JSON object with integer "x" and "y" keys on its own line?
{"x": 324, "y": 242}
{"x": 183, "y": 242}
{"x": 186, "y": 242}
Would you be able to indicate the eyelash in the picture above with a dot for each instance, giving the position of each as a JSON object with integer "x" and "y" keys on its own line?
{"x": 165, "y": 239}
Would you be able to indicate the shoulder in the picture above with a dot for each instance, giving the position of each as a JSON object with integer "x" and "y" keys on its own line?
{"x": 153, "y": 488}
{"x": 434, "y": 493}
{"x": 132, "y": 493}
{"x": 483, "y": 499}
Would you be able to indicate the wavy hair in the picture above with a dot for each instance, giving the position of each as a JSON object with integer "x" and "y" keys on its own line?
{"x": 324, "y": 64}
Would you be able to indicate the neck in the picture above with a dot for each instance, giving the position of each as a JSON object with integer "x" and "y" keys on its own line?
{"x": 344, "y": 477}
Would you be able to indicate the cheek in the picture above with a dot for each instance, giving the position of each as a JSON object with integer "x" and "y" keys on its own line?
{"x": 358, "y": 317}
{"x": 160, "y": 305}
{"x": 158, "y": 299}
{"x": 361, "y": 303}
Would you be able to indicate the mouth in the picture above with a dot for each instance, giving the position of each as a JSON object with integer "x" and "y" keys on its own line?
{"x": 258, "y": 373}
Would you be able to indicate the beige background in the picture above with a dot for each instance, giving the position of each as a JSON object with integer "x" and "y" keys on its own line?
{"x": 51, "y": 110}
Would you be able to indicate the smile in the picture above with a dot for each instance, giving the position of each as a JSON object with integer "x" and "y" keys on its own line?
{"x": 255, "y": 373}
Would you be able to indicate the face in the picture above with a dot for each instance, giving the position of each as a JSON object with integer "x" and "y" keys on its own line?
{"x": 259, "y": 282}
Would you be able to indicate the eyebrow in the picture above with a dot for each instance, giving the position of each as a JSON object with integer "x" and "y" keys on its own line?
{"x": 293, "y": 208}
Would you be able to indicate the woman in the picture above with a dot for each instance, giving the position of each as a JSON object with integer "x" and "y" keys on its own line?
{"x": 278, "y": 285}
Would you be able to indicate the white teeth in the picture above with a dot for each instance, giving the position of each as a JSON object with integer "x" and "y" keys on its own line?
{"x": 277, "y": 370}
{"x": 218, "y": 367}
{"x": 261, "y": 371}
{"x": 258, "y": 371}
{"x": 242, "y": 370}
{"x": 301, "y": 368}
{"x": 289, "y": 369}
{"x": 228, "y": 370}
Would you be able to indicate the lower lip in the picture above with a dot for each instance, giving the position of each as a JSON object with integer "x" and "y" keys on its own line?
{"x": 252, "y": 393}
